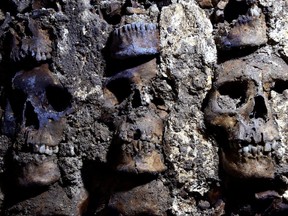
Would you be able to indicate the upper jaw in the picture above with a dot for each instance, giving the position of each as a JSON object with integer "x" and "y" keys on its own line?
{"x": 247, "y": 30}
{"x": 254, "y": 150}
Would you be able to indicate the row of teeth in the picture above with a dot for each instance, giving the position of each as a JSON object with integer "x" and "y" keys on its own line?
{"x": 135, "y": 27}
{"x": 254, "y": 11}
{"x": 258, "y": 150}
{"x": 45, "y": 149}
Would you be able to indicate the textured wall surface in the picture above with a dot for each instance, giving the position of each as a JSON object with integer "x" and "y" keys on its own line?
{"x": 143, "y": 107}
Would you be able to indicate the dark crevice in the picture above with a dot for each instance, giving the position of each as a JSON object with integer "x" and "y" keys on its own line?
{"x": 137, "y": 134}
{"x": 235, "y": 8}
{"x": 234, "y": 53}
{"x": 31, "y": 118}
{"x": 280, "y": 86}
{"x": 158, "y": 101}
{"x": 17, "y": 100}
{"x": 136, "y": 102}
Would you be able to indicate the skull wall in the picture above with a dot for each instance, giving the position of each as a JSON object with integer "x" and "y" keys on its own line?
{"x": 108, "y": 107}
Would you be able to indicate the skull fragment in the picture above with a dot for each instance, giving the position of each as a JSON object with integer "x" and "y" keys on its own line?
{"x": 240, "y": 115}
{"x": 38, "y": 104}
{"x": 240, "y": 23}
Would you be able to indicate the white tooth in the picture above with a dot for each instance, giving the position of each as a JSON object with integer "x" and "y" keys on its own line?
{"x": 150, "y": 26}
{"x": 274, "y": 145}
{"x": 133, "y": 26}
{"x": 240, "y": 151}
{"x": 42, "y": 149}
{"x": 254, "y": 11}
{"x": 138, "y": 26}
{"x": 36, "y": 148}
{"x": 267, "y": 147}
{"x": 260, "y": 149}
{"x": 246, "y": 149}
{"x": 142, "y": 27}
{"x": 56, "y": 149}
{"x": 48, "y": 151}
{"x": 249, "y": 147}
{"x": 254, "y": 150}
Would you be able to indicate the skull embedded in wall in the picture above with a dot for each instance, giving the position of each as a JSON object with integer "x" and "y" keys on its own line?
{"x": 240, "y": 23}
{"x": 240, "y": 115}
{"x": 39, "y": 104}
{"x": 137, "y": 140}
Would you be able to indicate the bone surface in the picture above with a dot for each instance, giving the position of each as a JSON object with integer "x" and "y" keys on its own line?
{"x": 239, "y": 106}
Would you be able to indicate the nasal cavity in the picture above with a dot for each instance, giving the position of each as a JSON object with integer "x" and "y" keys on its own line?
{"x": 260, "y": 109}
{"x": 136, "y": 102}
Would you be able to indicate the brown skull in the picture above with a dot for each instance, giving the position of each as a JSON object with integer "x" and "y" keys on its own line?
{"x": 139, "y": 140}
{"x": 239, "y": 111}
{"x": 39, "y": 104}
{"x": 138, "y": 137}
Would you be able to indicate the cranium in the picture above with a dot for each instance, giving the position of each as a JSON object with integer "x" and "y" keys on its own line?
{"x": 239, "y": 110}
{"x": 138, "y": 135}
{"x": 39, "y": 104}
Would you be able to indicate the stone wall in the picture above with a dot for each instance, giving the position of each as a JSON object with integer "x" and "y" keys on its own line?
{"x": 143, "y": 107}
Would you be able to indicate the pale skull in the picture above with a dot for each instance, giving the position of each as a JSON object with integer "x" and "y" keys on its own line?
{"x": 39, "y": 104}
{"x": 240, "y": 115}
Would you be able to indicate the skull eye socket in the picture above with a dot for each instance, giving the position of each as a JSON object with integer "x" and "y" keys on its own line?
{"x": 280, "y": 86}
{"x": 121, "y": 88}
{"x": 232, "y": 94}
{"x": 17, "y": 100}
{"x": 58, "y": 97}
{"x": 235, "y": 8}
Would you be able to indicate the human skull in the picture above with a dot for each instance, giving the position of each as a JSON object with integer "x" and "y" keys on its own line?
{"x": 39, "y": 104}
{"x": 239, "y": 112}
{"x": 137, "y": 143}
{"x": 138, "y": 135}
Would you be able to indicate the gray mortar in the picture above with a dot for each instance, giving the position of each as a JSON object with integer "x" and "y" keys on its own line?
{"x": 188, "y": 57}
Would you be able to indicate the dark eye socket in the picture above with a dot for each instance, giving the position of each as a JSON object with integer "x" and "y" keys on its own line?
{"x": 235, "y": 90}
{"x": 58, "y": 97}
{"x": 280, "y": 86}
{"x": 17, "y": 100}
{"x": 235, "y": 8}
{"x": 121, "y": 88}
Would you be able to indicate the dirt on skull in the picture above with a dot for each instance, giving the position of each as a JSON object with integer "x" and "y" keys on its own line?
{"x": 239, "y": 109}
{"x": 39, "y": 117}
